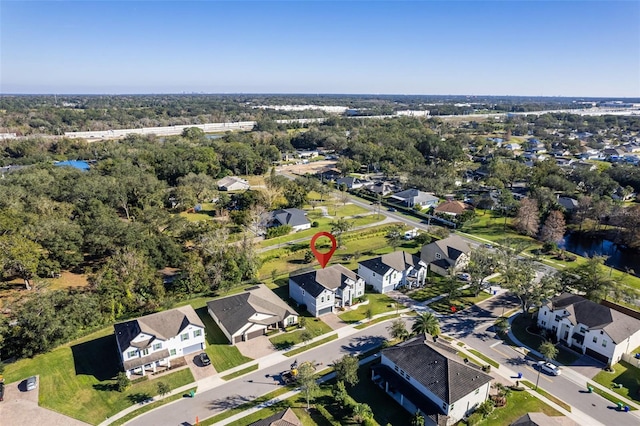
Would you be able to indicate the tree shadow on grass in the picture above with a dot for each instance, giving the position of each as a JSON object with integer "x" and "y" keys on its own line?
{"x": 97, "y": 358}
{"x": 139, "y": 397}
{"x": 106, "y": 387}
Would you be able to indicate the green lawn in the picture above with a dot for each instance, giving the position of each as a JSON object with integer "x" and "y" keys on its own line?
{"x": 207, "y": 213}
{"x": 242, "y": 372}
{"x": 433, "y": 288}
{"x": 148, "y": 407}
{"x": 518, "y": 404}
{"x": 625, "y": 374}
{"x": 533, "y": 341}
{"x": 376, "y": 321}
{"x": 312, "y": 345}
{"x": 314, "y": 325}
{"x": 466, "y": 299}
{"x": 485, "y": 358}
{"x": 77, "y": 379}
{"x": 223, "y": 355}
{"x": 547, "y": 395}
{"x": 348, "y": 210}
{"x": 378, "y": 304}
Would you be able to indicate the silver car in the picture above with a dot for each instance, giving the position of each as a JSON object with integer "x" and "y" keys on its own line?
{"x": 32, "y": 383}
{"x": 547, "y": 367}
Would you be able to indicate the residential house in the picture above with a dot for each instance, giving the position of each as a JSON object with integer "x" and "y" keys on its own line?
{"x": 350, "y": 182}
{"x": 151, "y": 342}
{"x": 568, "y": 203}
{"x": 541, "y": 419}
{"x": 590, "y": 328}
{"x": 393, "y": 270}
{"x": 323, "y": 290}
{"x": 307, "y": 154}
{"x": 295, "y": 218}
{"x": 282, "y": 418}
{"x": 443, "y": 255}
{"x": 383, "y": 188}
{"x": 428, "y": 377}
{"x": 513, "y": 146}
{"x": 453, "y": 208}
{"x": 250, "y": 314}
{"x": 232, "y": 183}
{"x": 330, "y": 174}
{"x": 413, "y": 197}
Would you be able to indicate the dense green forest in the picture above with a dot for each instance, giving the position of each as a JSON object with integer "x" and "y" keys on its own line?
{"x": 119, "y": 222}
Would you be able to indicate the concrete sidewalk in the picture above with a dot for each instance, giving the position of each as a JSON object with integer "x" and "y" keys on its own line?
{"x": 570, "y": 373}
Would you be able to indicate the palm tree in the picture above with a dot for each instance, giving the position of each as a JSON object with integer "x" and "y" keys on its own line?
{"x": 398, "y": 329}
{"x": 426, "y": 322}
{"x": 548, "y": 350}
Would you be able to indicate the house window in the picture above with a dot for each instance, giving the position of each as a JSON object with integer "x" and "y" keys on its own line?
{"x": 172, "y": 352}
{"x": 557, "y": 318}
{"x": 132, "y": 354}
{"x": 544, "y": 323}
{"x": 595, "y": 339}
{"x": 197, "y": 333}
{"x": 544, "y": 313}
{"x": 604, "y": 343}
{"x": 322, "y": 299}
{"x": 477, "y": 391}
{"x": 157, "y": 346}
{"x": 184, "y": 336}
{"x": 374, "y": 274}
{"x": 145, "y": 351}
{"x": 302, "y": 293}
{"x": 395, "y": 368}
{"x": 407, "y": 377}
{"x": 444, "y": 406}
{"x": 583, "y": 330}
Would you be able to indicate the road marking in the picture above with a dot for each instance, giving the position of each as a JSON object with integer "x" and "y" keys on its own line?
{"x": 544, "y": 377}
{"x": 500, "y": 352}
{"x": 495, "y": 344}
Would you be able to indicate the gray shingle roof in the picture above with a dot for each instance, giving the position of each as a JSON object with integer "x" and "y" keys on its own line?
{"x": 416, "y": 195}
{"x": 234, "y": 312}
{"x": 437, "y": 369}
{"x": 617, "y": 325}
{"x": 397, "y": 260}
{"x": 330, "y": 278}
{"x": 293, "y": 217}
{"x": 453, "y": 246}
{"x": 282, "y": 418}
{"x": 161, "y": 325}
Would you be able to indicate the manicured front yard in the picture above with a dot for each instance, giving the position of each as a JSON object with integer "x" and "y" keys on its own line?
{"x": 315, "y": 326}
{"x": 518, "y": 404}
{"x": 625, "y": 374}
{"x": 223, "y": 355}
{"x": 378, "y": 304}
{"x": 533, "y": 341}
{"x": 466, "y": 299}
{"x": 77, "y": 379}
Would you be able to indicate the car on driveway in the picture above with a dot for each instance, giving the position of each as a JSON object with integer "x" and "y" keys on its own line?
{"x": 32, "y": 383}
{"x": 547, "y": 367}
{"x": 204, "y": 359}
{"x": 464, "y": 276}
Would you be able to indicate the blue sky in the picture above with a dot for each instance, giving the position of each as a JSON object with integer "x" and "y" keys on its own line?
{"x": 567, "y": 48}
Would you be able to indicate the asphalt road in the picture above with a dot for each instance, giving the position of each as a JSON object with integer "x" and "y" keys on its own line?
{"x": 251, "y": 386}
{"x": 471, "y": 328}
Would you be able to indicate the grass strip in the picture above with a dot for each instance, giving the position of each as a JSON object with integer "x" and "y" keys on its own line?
{"x": 375, "y": 321}
{"x": 547, "y": 395}
{"x": 132, "y": 415}
{"x": 311, "y": 345}
{"x": 233, "y": 411}
{"x": 611, "y": 397}
{"x": 240, "y": 372}
{"x": 485, "y": 358}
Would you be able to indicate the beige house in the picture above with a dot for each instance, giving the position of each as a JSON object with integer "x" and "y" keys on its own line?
{"x": 443, "y": 255}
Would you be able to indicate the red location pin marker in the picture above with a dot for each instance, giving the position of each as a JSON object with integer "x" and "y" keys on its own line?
{"x": 323, "y": 258}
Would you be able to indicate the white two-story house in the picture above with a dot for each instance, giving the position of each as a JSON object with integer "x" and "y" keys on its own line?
{"x": 590, "y": 328}
{"x": 148, "y": 343}
{"x": 428, "y": 377}
{"x": 323, "y": 290}
{"x": 393, "y": 270}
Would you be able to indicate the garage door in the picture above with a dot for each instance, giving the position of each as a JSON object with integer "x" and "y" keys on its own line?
{"x": 325, "y": 311}
{"x": 237, "y": 339}
{"x": 192, "y": 349}
{"x": 255, "y": 333}
{"x": 597, "y": 356}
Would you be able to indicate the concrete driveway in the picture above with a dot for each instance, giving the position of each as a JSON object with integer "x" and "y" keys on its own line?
{"x": 587, "y": 366}
{"x": 256, "y": 348}
{"x": 333, "y": 321}
{"x": 21, "y": 408}
{"x": 198, "y": 370}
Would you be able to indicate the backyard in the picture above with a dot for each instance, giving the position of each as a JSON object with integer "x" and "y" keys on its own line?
{"x": 77, "y": 379}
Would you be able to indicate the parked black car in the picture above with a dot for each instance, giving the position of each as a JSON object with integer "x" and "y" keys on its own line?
{"x": 204, "y": 359}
